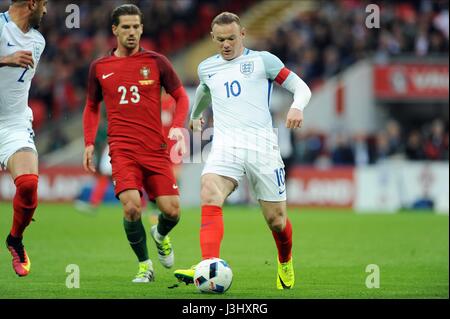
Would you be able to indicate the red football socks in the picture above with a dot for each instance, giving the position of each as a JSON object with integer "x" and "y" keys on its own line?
{"x": 283, "y": 240}
{"x": 24, "y": 203}
{"x": 211, "y": 231}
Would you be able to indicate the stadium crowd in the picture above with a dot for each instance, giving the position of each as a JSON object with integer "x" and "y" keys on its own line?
{"x": 59, "y": 88}
{"x": 316, "y": 45}
{"x": 320, "y": 43}
{"x": 429, "y": 142}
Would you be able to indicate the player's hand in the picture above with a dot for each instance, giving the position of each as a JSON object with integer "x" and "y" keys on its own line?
{"x": 23, "y": 59}
{"x": 294, "y": 118}
{"x": 88, "y": 159}
{"x": 196, "y": 125}
{"x": 176, "y": 134}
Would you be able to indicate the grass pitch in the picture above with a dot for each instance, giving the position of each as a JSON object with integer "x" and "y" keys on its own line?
{"x": 331, "y": 251}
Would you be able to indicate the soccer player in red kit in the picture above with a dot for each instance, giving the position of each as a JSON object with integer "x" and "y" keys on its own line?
{"x": 129, "y": 80}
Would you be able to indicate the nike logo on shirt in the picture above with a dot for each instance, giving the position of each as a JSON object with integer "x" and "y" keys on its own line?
{"x": 105, "y": 76}
{"x": 11, "y": 45}
{"x": 211, "y": 75}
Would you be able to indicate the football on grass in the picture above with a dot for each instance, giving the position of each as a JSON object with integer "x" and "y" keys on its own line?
{"x": 213, "y": 276}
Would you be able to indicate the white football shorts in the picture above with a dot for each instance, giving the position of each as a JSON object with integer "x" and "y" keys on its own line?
{"x": 15, "y": 135}
{"x": 264, "y": 170}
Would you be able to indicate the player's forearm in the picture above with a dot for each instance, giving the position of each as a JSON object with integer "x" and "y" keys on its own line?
{"x": 201, "y": 101}
{"x": 301, "y": 91}
{"x": 181, "y": 108}
{"x": 91, "y": 119}
{"x": 3, "y": 61}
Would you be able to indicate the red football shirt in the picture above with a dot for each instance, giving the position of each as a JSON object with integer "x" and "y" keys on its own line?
{"x": 168, "y": 117}
{"x": 131, "y": 89}
{"x": 168, "y": 105}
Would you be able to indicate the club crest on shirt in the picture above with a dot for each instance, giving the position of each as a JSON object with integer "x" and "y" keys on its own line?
{"x": 247, "y": 67}
{"x": 145, "y": 72}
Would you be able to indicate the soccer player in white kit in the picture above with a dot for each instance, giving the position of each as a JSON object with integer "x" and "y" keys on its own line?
{"x": 21, "y": 46}
{"x": 239, "y": 82}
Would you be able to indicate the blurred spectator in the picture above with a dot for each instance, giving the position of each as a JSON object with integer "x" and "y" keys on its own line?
{"x": 342, "y": 153}
{"x": 394, "y": 138}
{"x": 361, "y": 150}
{"x": 382, "y": 146}
{"x": 435, "y": 144}
{"x": 308, "y": 146}
{"x": 57, "y": 139}
{"x": 414, "y": 146}
{"x": 331, "y": 60}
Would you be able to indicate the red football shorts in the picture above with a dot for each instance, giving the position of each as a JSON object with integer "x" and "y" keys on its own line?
{"x": 153, "y": 174}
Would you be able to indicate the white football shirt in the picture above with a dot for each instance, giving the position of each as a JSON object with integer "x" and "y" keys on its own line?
{"x": 15, "y": 82}
{"x": 240, "y": 92}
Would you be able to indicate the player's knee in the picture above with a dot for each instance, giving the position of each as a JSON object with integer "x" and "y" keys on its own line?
{"x": 171, "y": 210}
{"x": 277, "y": 222}
{"x": 26, "y": 190}
{"x": 209, "y": 194}
{"x": 277, "y": 225}
{"x": 132, "y": 211}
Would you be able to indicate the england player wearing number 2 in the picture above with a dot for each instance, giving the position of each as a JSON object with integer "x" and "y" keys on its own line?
{"x": 21, "y": 46}
{"x": 129, "y": 81}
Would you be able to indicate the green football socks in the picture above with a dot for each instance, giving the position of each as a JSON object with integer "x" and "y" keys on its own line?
{"x": 137, "y": 238}
{"x": 165, "y": 225}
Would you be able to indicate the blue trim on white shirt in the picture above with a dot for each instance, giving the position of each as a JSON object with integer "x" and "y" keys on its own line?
{"x": 5, "y": 16}
{"x": 269, "y": 81}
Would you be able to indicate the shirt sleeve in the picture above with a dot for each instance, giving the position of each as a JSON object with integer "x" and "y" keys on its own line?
{"x": 169, "y": 79}
{"x": 2, "y": 22}
{"x": 182, "y": 106}
{"x": 272, "y": 64}
{"x": 201, "y": 101}
{"x": 94, "y": 89}
{"x": 202, "y": 97}
{"x": 91, "y": 113}
{"x": 200, "y": 73}
{"x": 275, "y": 70}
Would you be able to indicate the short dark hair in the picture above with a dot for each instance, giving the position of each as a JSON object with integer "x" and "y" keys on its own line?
{"x": 125, "y": 10}
{"x": 18, "y": 1}
{"x": 226, "y": 18}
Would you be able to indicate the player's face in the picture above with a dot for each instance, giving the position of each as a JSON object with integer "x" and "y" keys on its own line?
{"x": 229, "y": 39}
{"x": 129, "y": 31}
{"x": 39, "y": 9}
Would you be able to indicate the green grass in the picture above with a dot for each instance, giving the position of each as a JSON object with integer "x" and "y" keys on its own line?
{"x": 331, "y": 251}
